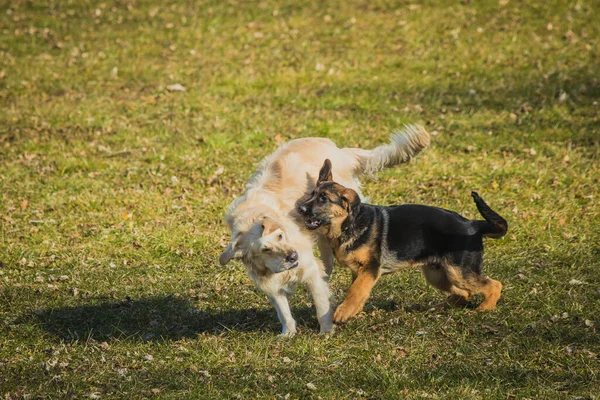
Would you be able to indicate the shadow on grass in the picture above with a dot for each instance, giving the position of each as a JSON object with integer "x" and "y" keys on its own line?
{"x": 155, "y": 319}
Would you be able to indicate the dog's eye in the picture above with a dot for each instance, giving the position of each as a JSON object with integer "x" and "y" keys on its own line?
{"x": 280, "y": 237}
{"x": 323, "y": 198}
{"x": 266, "y": 250}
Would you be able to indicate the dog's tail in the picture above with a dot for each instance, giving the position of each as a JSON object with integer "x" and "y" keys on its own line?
{"x": 404, "y": 145}
{"x": 494, "y": 225}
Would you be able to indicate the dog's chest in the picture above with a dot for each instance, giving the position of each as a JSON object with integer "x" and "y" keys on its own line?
{"x": 275, "y": 283}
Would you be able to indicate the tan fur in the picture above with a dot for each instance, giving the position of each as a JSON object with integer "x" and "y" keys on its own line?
{"x": 281, "y": 180}
{"x": 475, "y": 284}
{"x": 286, "y": 176}
{"x": 436, "y": 277}
{"x": 358, "y": 261}
{"x": 368, "y": 262}
{"x": 338, "y": 215}
{"x": 357, "y": 296}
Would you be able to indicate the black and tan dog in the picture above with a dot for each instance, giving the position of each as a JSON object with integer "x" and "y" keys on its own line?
{"x": 373, "y": 240}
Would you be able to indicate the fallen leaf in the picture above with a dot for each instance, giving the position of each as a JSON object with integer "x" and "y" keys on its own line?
{"x": 176, "y": 88}
{"x": 562, "y": 96}
{"x": 311, "y": 386}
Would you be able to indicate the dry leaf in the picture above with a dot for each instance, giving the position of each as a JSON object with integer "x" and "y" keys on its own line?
{"x": 176, "y": 88}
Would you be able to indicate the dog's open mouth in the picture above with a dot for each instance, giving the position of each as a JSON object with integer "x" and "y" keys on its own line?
{"x": 313, "y": 223}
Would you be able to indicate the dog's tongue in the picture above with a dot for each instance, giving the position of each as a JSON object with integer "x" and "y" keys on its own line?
{"x": 312, "y": 223}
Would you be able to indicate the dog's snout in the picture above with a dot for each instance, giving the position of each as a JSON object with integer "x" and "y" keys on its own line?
{"x": 303, "y": 209}
{"x": 292, "y": 257}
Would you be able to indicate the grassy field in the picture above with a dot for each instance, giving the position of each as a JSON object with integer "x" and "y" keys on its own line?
{"x": 114, "y": 184}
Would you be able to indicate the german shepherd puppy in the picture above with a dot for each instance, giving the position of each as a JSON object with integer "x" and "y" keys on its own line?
{"x": 373, "y": 240}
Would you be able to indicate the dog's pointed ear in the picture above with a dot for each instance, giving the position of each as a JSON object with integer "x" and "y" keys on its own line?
{"x": 268, "y": 226}
{"x": 325, "y": 174}
{"x": 351, "y": 199}
{"x": 231, "y": 252}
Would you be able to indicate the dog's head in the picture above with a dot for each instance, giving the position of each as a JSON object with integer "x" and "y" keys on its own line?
{"x": 264, "y": 247}
{"x": 329, "y": 204}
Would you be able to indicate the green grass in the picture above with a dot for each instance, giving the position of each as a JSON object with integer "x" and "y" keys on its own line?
{"x": 109, "y": 285}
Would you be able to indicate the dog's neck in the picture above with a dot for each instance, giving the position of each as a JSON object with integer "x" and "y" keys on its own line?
{"x": 345, "y": 232}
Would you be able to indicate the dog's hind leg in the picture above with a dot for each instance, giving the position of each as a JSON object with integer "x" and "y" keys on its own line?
{"x": 282, "y": 306}
{"x": 319, "y": 290}
{"x": 437, "y": 277}
{"x": 473, "y": 283}
{"x": 491, "y": 290}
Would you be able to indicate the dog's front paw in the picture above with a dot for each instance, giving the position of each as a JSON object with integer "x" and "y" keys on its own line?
{"x": 286, "y": 335}
{"x": 344, "y": 312}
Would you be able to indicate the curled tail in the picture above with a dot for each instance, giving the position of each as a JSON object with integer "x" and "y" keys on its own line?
{"x": 404, "y": 145}
{"x": 494, "y": 225}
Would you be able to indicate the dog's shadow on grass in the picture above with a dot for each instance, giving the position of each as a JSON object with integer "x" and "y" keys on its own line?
{"x": 159, "y": 318}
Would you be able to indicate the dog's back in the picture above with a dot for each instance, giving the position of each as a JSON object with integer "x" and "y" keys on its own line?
{"x": 417, "y": 232}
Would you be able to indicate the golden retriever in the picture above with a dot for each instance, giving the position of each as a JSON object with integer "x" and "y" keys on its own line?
{"x": 268, "y": 234}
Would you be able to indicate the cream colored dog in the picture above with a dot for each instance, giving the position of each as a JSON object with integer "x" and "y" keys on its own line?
{"x": 269, "y": 236}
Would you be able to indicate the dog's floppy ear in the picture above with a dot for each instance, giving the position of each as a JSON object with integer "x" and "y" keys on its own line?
{"x": 325, "y": 174}
{"x": 350, "y": 197}
{"x": 230, "y": 253}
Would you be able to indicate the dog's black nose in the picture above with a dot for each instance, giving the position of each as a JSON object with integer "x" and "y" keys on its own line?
{"x": 292, "y": 257}
{"x": 303, "y": 209}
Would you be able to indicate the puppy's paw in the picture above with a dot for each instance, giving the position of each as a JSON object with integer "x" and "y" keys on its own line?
{"x": 344, "y": 312}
